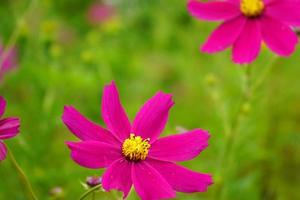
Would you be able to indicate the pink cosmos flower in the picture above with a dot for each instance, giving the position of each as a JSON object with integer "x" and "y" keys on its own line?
{"x": 8, "y": 60}
{"x": 9, "y": 127}
{"x": 99, "y": 13}
{"x": 248, "y": 23}
{"x": 133, "y": 153}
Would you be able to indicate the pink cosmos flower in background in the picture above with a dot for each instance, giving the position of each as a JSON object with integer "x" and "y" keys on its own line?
{"x": 99, "y": 13}
{"x": 133, "y": 153}
{"x": 8, "y": 60}
{"x": 9, "y": 127}
{"x": 248, "y": 23}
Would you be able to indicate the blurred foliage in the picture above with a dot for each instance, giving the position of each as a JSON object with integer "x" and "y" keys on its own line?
{"x": 149, "y": 45}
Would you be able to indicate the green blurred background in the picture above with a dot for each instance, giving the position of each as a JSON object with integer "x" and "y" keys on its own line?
{"x": 145, "y": 46}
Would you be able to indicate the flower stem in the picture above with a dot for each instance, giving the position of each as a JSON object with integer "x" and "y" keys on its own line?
{"x": 22, "y": 176}
{"x": 230, "y": 134}
{"x": 90, "y": 191}
{"x": 264, "y": 75}
{"x": 227, "y": 154}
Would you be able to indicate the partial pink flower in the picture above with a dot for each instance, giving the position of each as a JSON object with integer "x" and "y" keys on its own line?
{"x": 248, "y": 23}
{"x": 9, "y": 128}
{"x": 8, "y": 60}
{"x": 99, "y": 13}
{"x": 133, "y": 153}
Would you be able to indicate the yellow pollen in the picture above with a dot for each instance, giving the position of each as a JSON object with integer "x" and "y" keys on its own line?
{"x": 252, "y": 8}
{"x": 135, "y": 148}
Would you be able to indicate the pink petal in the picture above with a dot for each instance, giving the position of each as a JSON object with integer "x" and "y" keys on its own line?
{"x": 93, "y": 154}
{"x": 214, "y": 10}
{"x": 180, "y": 178}
{"x": 287, "y": 11}
{"x": 152, "y": 117}
{"x": 278, "y": 36}
{"x": 2, "y": 106}
{"x": 150, "y": 184}
{"x": 113, "y": 113}
{"x": 118, "y": 176}
{"x": 236, "y": 2}
{"x": 9, "y": 127}
{"x": 267, "y": 2}
{"x": 3, "y": 151}
{"x": 247, "y": 46}
{"x": 180, "y": 147}
{"x": 85, "y": 129}
{"x": 224, "y": 36}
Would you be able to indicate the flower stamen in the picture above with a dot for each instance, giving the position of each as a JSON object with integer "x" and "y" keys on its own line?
{"x": 135, "y": 148}
{"x": 252, "y": 8}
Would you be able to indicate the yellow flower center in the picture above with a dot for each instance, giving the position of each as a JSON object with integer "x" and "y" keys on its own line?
{"x": 135, "y": 148}
{"x": 252, "y": 8}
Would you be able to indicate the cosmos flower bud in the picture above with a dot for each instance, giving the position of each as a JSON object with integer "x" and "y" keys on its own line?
{"x": 93, "y": 181}
{"x": 57, "y": 193}
{"x": 211, "y": 79}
